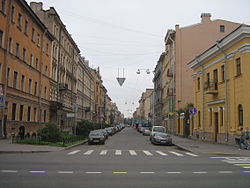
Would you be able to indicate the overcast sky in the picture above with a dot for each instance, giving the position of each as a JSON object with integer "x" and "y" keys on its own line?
{"x": 129, "y": 35}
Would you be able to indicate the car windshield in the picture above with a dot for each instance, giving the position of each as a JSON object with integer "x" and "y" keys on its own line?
{"x": 95, "y": 134}
{"x": 159, "y": 129}
{"x": 161, "y": 134}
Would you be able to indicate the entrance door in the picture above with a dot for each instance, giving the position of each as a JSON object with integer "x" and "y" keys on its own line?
{"x": 216, "y": 123}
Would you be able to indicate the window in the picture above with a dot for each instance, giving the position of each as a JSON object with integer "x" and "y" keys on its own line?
{"x": 46, "y": 68}
{"x": 26, "y": 27}
{"x": 12, "y": 13}
{"x": 35, "y": 92}
{"x": 1, "y": 39}
{"x": 222, "y": 73}
{"x": 17, "y": 49}
{"x": 33, "y": 35}
{"x": 38, "y": 39}
{"x": 34, "y": 114}
{"x": 28, "y": 114}
{"x": 3, "y": 8}
{"x": 10, "y": 45}
{"x": 8, "y": 76}
{"x": 215, "y": 79}
{"x": 210, "y": 115}
{"x": 21, "y": 113}
{"x": 30, "y": 86}
{"x": 240, "y": 115}
{"x": 199, "y": 83}
{"x": 44, "y": 116}
{"x": 15, "y": 80}
{"x": 238, "y": 67}
{"x": 208, "y": 80}
{"x": 31, "y": 59}
{"x": 221, "y": 116}
{"x": 47, "y": 48}
{"x": 13, "y": 112}
{"x": 199, "y": 118}
{"x": 24, "y": 54}
{"x": 19, "y": 21}
{"x": 22, "y": 82}
{"x": 222, "y": 28}
{"x": 36, "y": 63}
{"x": 45, "y": 92}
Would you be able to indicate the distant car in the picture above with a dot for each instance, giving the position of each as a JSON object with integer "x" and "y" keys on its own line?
{"x": 156, "y": 129}
{"x": 146, "y": 132}
{"x": 96, "y": 137}
{"x": 110, "y": 131}
{"x": 161, "y": 138}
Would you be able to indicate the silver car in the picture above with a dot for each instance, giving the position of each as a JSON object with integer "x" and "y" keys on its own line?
{"x": 96, "y": 137}
{"x": 161, "y": 139}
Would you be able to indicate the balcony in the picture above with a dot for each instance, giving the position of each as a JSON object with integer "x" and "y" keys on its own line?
{"x": 63, "y": 86}
{"x": 211, "y": 87}
{"x": 55, "y": 105}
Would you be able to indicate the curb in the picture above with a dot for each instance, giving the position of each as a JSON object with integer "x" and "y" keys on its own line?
{"x": 14, "y": 152}
{"x": 69, "y": 147}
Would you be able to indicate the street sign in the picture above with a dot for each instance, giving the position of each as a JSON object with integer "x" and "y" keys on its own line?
{"x": 192, "y": 111}
{"x": 120, "y": 80}
{"x": 70, "y": 115}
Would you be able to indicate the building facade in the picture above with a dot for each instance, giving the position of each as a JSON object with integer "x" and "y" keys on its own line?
{"x": 25, "y": 56}
{"x": 222, "y": 85}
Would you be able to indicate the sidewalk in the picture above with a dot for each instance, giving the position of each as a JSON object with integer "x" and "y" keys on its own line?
{"x": 6, "y": 146}
{"x": 199, "y": 147}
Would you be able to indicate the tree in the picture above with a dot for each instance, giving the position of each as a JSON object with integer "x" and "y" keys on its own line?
{"x": 50, "y": 133}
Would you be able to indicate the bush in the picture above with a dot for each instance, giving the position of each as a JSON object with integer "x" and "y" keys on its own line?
{"x": 50, "y": 133}
{"x": 84, "y": 127}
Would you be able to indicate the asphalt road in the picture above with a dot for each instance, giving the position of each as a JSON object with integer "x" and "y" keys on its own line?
{"x": 128, "y": 160}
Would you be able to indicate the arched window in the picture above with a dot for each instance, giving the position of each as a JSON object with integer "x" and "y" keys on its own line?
{"x": 240, "y": 115}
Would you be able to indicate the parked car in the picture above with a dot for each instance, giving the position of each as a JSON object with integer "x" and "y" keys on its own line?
{"x": 96, "y": 137}
{"x": 161, "y": 138}
{"x": 146, "y": 131}
{"x": 110, "y": 131}
{"x": 157, "y": 129}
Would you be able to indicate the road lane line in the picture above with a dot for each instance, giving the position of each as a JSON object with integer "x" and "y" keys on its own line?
{"x": 9, "y": 171}
{"x": 174, "y": 172}
{"x": 161, "y": 153}
{"x": 246, "y": 166}
{"x": 199, "y": 172}
{"x": 246, "y": 171}
{"x": 132, "y": 152}
{"x": 147, "y": 172}
{"x": 192, "y": 154}
{"x": 74, "y": 152}
{"x": 65, "y": 172}
{"x": 118, "y": 152}
{"x": 93, "y": 172}
{"x": 225, "y": 172}
{"x": 88, "y": 152}
{"x": 242, "y": 164}
{"x": 104, "y": 152}
{"x": 147, "y": 153}
{"x": 175, "y": 153}
{"x": 120, "y": 172}
{"x": 37, "y": 171}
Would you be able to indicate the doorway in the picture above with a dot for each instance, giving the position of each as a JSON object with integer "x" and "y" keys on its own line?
{"x": 216, "y": 125}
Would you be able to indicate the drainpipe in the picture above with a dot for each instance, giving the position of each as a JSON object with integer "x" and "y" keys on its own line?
{"x": 226, "y": 90}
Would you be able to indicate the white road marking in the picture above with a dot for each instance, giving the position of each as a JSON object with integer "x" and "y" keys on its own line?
{"x": 147, "y": 153}
{"x": 36, "y": 171}
{"x": 217, "y": 157}
{"x": 246, "y": 166}
{"x": 104, "y": 152}
{"x": 9, "y": 171}
{"x": 65, "y": 172}
{"x": 225, "y": 172}
{"x": 199, "y": 172}
{"x": 74, "y": 152}
{"x": 192, "y": 154}
{"x": 241, "y": 164}
{"x": 234, "y": 162}
{"x": 147, "y": 172}
{"x": 119, "y": 172}
{"x": 174, "y": 172}
{"x": 93, "y": 172}
{"x": 132, "y": 152}
{"x": 118, "y": 152}
{"x": 88, "y": 152}
{"x": 175, "y": 153}
{"x": 246, "y": 171}
{"x": 161, "y": 153}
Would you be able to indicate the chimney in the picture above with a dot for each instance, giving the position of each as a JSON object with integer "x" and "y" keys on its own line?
{"x": 205, "y": 18}
{"x": 36, "y": 6}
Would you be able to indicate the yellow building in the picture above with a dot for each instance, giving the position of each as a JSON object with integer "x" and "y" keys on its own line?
{"x": 25, "y": 56}
{"x": 222, "y": 87}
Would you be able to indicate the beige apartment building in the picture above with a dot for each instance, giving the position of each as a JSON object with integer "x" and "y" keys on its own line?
{"x": 65, "y": 59}
{"x": 181, "y": 46}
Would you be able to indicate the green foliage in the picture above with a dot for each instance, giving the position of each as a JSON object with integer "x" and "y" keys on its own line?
{"x": 50, "y": 133}
{"x": 84, "y": 127}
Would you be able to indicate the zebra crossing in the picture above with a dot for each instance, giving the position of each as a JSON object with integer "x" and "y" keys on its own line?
{"x": 131, "y": 153}
{"x": 243, "y": 162}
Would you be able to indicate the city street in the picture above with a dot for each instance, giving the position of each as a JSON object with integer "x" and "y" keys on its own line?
{"x": 128, "y": 159}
